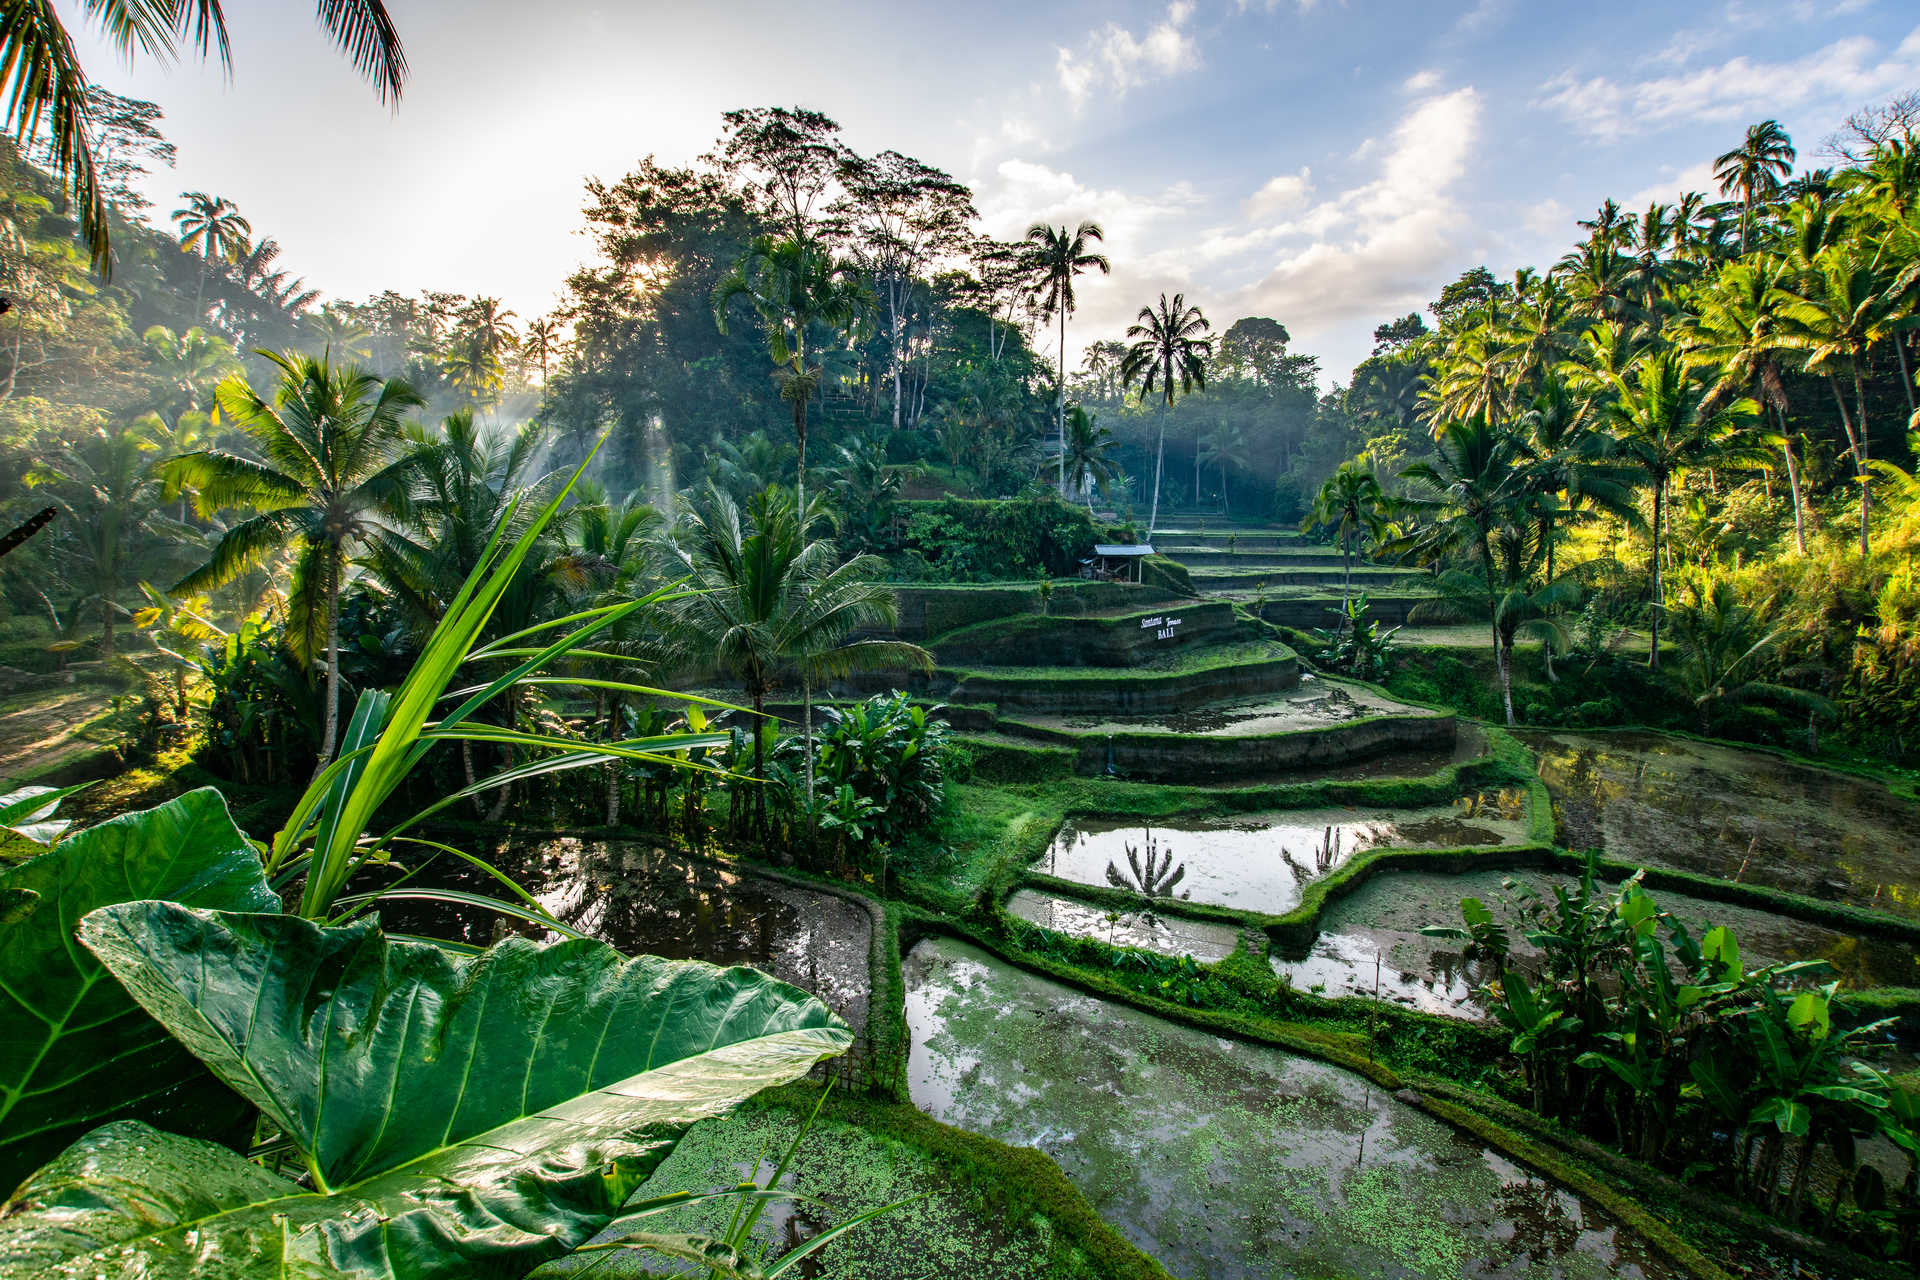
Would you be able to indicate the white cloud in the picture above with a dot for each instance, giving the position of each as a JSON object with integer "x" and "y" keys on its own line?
{"x": 1695, "y": 177}
{"x": 1738, "y": 90}
{"x": 1281, "y": 194}
{"x": 1116, "y": 60}
{"x": 1546, "y": 218}
{"x": 1422, "y": 82}
{"x": 1384, "y": 246}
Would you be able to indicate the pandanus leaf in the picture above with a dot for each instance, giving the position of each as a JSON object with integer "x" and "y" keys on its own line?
{"x": 77, "y": 1052}
{"x": 460, "y": 1117}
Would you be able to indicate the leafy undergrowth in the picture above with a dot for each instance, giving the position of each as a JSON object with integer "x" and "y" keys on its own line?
{"x": 989, "y": 1212}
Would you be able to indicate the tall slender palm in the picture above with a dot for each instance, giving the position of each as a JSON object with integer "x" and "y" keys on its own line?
{"x": 794, "y": 285}
{"x": 1225, "y": 447}
{"x": 542, "y": 342}
{"x": 1354, "y": 506}
{"x": 1756, "y": 168}
{"x": 1168, "y": 349}
{"x": 48, "y": 88}
{"x": 1474, "y": 503}
{"x": 772, "y": 604}
{"x": 1666, "y": 424}
{"x": 1840, "y": 309}
{"x": 213, "y": 228}
{"x": 330, "y": 438}
{"x": 1739, "y": 333}
{"x": 113, "y": 529}
{"x": 1054, "y": 258}
{"x": 1089, "y": 454}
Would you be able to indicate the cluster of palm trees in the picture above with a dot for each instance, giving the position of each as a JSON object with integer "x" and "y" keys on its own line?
{"x": 1680, "y": 349}
{"x": 325, "y": 496}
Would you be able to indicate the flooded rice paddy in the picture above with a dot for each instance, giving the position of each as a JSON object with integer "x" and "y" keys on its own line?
{"x": 1742, "y": 815}
{"x": 644, "y": 899}
{"x": 1152, "y": 931}
{"x": 1260, "y": 862}
{"x": 1314, "y": 703}
{"x": 1381, "y": 922}
{"x": 1232, "y": 1160}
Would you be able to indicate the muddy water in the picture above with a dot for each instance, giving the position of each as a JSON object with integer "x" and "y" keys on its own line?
{"x": 1169, "y": 935}
{"x": 1230, "y": 1160}
{"x": 1382, "y": 920}
{"x": 646, "y": 900}
{"x": 1260, "y": 862}
{"x": 1670, "y": 802}
{"x": 1314, "y": 703}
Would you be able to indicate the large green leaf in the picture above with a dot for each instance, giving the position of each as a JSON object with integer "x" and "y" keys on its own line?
{"x": 469, "y": 1117}
{"x": 76, "y": 1051}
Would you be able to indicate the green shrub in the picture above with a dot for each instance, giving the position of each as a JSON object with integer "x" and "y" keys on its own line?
{"x": 988, "y": 540}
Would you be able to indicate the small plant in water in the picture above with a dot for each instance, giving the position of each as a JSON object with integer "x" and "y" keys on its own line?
{"x": 1152, "y": 877}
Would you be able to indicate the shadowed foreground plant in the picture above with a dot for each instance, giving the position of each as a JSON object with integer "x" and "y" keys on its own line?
{"x": 452, "y": 1117}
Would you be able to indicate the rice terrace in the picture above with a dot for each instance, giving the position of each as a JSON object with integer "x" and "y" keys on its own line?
{"x": 1044, "y": 642}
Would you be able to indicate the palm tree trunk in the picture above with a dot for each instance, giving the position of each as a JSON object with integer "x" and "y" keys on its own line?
{"x": 1346, "y": 585}
{"x": 332, "y": 732}
{"x": 1860, "y": 455}
{"x": 1793, "y": 484}
{"x": 1906, "y": 373}
{"x": 1159, "y": 461}
{"x": 1659, "y": 583}
{"x": 1061, "y": 398}
{"x": 806, "y": 745}
{"x": 1856, "y": 440}
{"x": 800, "y": 434}
{"x": 613, "y": 766}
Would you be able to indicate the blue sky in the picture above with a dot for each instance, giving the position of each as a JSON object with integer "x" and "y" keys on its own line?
{"x": 1328, "y": 164}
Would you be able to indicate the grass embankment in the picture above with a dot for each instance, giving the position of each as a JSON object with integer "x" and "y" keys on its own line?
{"x": 978, "y": 1207}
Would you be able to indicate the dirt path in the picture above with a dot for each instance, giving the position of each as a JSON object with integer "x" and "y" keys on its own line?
{"x": 49, "y": 727}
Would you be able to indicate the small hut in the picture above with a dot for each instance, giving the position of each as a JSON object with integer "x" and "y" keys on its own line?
{"x": 1117, "y": 562}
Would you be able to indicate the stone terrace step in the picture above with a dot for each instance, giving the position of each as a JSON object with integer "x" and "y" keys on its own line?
{"x": 1303, "y": 557}
{"x": 1326, "y": 578}
{"x": 1128, "y": 639}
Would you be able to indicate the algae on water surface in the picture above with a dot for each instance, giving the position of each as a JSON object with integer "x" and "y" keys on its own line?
{"x": 1233, "y": 1160}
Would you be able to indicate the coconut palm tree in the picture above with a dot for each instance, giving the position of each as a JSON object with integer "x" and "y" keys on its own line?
{"x": 1664, "y": 424}
{"x": 1740, "y": 334}
{"x": 1725, "y": 641}
{"x": 773, "y": 604}
{"x": 49, "y": 88}
{"x": 210, "y": 226}
{"x": 793, "y": 285}
{"x": 1474, "y": 504}
{"x": 1840, "y": 308}
{"x": 1755, "y": 169}
{"x": 112, "y": 528}
{"x": 542, "y": 343}
{"x": 1354, "y": 506}
{"x": 1225, "y": 447}
{"x": 1054, "y": 258}
{"x": 1089, "y": 454}
{"x": 1168, "y": 348}
{"x": 332, "y": 468}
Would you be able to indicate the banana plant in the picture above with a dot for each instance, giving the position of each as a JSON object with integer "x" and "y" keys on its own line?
{"x": 442, "y": 1117}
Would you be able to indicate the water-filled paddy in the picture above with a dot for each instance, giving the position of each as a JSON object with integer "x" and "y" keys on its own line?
{"x": 1231, "y": 1160}
{"x": 644, "y": 899}
{"x": 1260, "y": 862}
{"x": 1743, "y": 815}
{"x": 1167, "y": 934}
{"x": 1314, "y": 703}
{"x": 1382, "y": 919}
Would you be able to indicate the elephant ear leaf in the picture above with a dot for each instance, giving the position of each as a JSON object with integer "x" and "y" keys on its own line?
{"x": 77, "y": 1051}
{"x": 459, "y": 1117}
